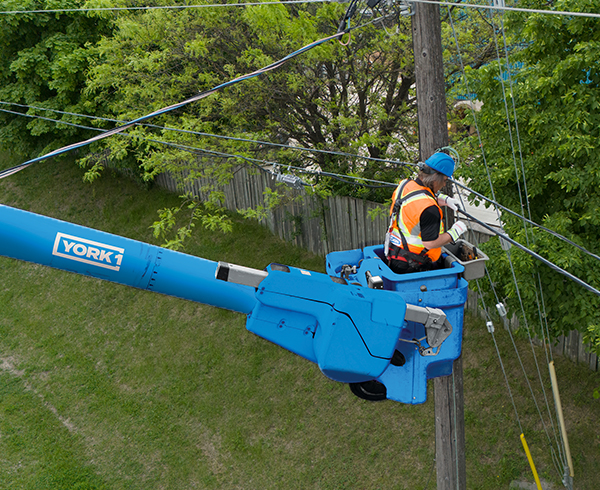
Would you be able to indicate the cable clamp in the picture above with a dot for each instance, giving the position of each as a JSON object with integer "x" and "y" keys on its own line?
{"x": 292, "y": 180}
{"x": 406, "y": 9}
{"x": 424, "y": 351}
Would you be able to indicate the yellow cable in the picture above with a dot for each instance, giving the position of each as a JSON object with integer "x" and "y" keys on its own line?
{"x": 561, "y": 418}
{"x": 530, "y": 459}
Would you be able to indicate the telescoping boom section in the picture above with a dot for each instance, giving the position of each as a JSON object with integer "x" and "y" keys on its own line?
{"x": 75, "y": 248}
{"x": 355, "y": 331}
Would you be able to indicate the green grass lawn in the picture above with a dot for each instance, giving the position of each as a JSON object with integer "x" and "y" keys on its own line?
{"x": 108, "y": 387}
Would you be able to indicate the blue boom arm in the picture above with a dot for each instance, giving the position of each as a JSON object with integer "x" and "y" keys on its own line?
{"x": 349, "y": 329}
{"x": 66, "y": 246}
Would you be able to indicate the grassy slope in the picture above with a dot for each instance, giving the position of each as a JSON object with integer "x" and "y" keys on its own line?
{"x": 103, "y": 386}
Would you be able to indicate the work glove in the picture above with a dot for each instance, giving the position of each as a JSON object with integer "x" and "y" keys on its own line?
{"x": 451, "y": 202}
{"x": 457, "y": 230}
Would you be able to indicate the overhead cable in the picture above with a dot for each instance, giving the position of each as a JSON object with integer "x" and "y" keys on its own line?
{"x": 218, "y": 136}
{"x": 533, "y": 223}
{"x": 525, "y": 228}
{"x": 342, "y": 177}
{"x": 533, "y": 254}
{"x": 164, "y": 110}
{"x": 496, "y": 7}
{"x": 259, "y": 163}
{"x": 555, "y": 458}
{"x": 500, "y": 8}
{"x": 16, "y": 113}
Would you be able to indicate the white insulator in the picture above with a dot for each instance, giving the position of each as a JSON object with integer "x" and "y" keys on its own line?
{"x": 501, "y": 309}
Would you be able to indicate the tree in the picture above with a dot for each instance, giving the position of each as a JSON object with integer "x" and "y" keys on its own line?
{"x": 351, "y": 98}
{"x": 551, "y": 171}
{"x": 43, "y": 64}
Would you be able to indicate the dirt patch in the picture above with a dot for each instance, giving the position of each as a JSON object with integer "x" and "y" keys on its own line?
{"x": 7, "y": 364}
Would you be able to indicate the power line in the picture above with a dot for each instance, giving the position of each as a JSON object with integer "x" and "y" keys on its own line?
{"x": 540, "y": 289}
{"x": 533, "y": 223}
{"x": 165, "y": 7}
{"x": 361, "y": 181}
{"x": 249, "y": 4}
{"x": 509, "y": 9}
{"x": 8, "y": 111}
{"x": 210, "y": 135}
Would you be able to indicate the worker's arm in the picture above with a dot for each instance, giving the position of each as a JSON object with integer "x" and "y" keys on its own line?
{"x": 440, "y": 241}
{"x": 430, "y": 226}
{"x": 430, "y": 229}
{"x": 451, "y": 202}
{"x": 450, "y": 236}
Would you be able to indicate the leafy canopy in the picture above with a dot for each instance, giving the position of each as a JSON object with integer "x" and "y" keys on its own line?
{"x": 545, "y": 164}
{"x": 44, "y": 61}
{"x": 351, "y": 97}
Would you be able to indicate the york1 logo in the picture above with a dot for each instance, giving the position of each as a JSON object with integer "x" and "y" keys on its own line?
{"x": 82, "y": 250}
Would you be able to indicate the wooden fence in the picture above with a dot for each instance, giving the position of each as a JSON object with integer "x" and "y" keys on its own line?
{"x": 339, "y": 223}
{"x": 320, "y": 226}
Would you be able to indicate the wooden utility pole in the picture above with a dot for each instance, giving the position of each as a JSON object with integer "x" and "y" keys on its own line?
{"x": 433, "y": 134}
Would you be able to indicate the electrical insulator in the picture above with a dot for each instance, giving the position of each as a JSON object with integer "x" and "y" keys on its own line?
{"x": 501, "y": 310}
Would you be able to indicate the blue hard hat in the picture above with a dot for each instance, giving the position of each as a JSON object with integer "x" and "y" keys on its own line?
{"x": 442, "y": 163}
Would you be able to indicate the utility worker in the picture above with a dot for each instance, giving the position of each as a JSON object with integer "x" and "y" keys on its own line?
{"x": 416, "y": 233}
{"x": 415, "y": 236}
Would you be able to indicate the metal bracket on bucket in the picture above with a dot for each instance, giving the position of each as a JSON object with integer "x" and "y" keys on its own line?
{"x": 437, "y": 326}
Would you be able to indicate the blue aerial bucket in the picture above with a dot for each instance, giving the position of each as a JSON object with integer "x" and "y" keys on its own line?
{"x": 406, "y": 381}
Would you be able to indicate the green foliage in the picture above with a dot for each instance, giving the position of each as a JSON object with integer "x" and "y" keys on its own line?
{"x": 351, "y": 98}
{"x": 309, "y": 99}
{"x": 43, "y": 64}
{"x": 209, "y": 214}
{"x": 556, "y": 91}
{"x": 273, "y": 198}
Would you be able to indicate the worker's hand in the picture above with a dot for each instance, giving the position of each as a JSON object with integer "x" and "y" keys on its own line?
{"x": 457, "y": 230}
{"x": 451, "y": 202}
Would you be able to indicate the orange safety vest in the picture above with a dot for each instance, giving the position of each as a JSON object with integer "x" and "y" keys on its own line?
{"x": 405, "y": 217}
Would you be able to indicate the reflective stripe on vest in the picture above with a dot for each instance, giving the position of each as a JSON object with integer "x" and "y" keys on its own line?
{"x": 409, "y": 216}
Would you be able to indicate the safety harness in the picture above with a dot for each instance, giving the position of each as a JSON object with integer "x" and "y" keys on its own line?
{"x": 393, "y": 252}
